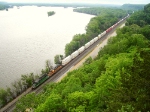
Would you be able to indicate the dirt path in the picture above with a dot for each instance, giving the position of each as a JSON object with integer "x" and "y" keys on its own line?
{"x": 92, "y": 54}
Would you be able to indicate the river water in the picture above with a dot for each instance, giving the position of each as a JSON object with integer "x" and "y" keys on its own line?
{"x": 28, "y": 37}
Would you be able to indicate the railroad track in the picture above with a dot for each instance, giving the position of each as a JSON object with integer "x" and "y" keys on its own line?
{"x": 10, "y": 106}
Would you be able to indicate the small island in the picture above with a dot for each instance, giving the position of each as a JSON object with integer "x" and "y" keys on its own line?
{"x": 50, "y": 13}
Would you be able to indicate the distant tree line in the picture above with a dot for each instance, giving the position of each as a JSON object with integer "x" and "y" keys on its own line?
{"x": 105, "y": 17}
{"x": 75, "y": 5}
{"x": 133, "y": 7}
{"x": 102, "y": 11}
{"x": 3, "y": 6}
{"x": 65, "y": 5}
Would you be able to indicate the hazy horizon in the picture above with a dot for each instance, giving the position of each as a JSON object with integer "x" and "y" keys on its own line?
{"x": 79, "y": 1}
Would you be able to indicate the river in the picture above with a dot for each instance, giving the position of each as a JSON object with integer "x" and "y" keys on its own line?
{"x": 28, "y": 37}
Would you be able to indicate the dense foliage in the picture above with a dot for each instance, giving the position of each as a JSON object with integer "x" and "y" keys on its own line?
{"x": 141, "y": 18}
{"x": 98, "y": 24}
{"x": 57, "y": 59}
{"x": 117, "y": 80}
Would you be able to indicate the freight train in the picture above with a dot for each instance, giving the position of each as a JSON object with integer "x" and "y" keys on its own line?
{"x": 45, "y": 76}
{"x": 66, "y": 60}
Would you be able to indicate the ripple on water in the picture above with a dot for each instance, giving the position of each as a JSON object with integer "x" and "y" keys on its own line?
{"x": 28, "y": 38}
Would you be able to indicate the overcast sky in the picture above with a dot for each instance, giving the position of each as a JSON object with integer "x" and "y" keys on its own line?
{"x": 84, "y": 1}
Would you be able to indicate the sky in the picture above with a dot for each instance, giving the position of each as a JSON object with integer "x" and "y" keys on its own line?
{"x": 83, "y": 1}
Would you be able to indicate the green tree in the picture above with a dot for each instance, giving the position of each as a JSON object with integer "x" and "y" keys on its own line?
{"x": 53, "y": 103}
{"x": 28, "y": 101}
{"x": 57, "y": 59}
{"x": 10, "y": 94}
{"x": 72, "y": 85}
{"x": 71, "y": 47}
{"x": 145, "y": 31}
{"x": 3, "y": 97}
{"x": 48, "y": 67}
{"x": 27, "y": 80}
{"x": 88, "y": 60}
{"x": 15, "y": 88}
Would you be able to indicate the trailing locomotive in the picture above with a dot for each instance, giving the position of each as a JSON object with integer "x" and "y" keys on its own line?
{"x": 56, "y": 69}
{"x": 45, "y": 76}
{"x": 66, "y": 60}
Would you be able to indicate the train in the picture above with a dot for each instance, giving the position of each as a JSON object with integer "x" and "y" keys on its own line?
{"x": 67, "y": 59}
{"x": 45, "y": 77}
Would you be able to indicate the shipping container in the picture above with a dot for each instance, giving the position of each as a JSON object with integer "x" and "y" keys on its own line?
{"x": 66, "y": 60}
{"x": 103, "y": 33}
{"x": 92, "y": 41}
{"x": 81, "y": 49}
{"x": 74, "y": 54}
{"x": 87, "y": 45}
{"x": 95, "y": 39}
{"x": 99, "y": 36}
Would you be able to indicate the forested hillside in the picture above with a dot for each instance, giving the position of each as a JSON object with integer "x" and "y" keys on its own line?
{"x": 133, "y": 7}
{"x": 118, "y": 80}
{"x": 101, "y": 11}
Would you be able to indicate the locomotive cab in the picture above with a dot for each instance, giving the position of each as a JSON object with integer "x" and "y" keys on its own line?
{"x": 35, "y": 83}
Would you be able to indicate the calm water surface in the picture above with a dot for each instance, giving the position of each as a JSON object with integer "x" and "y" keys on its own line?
{"x": 28, "y": 37}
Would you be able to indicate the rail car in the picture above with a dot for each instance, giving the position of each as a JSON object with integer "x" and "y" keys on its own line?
{"x": 87, "y": 45}
{"x": 66, "y": 60}
{"x": 95, "y": 39}
{"x": 39, "y": 81}
{"x": 55, "y": 70}
{"x": 74, "y": 54}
